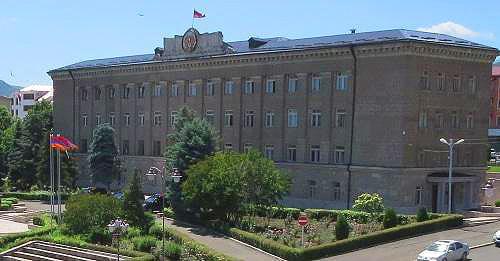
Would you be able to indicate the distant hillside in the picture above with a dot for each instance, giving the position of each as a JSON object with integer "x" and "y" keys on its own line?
{"x": 7, "y": 89}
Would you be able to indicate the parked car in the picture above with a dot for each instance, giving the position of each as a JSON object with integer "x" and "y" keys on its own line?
{"x": 444, "y": 250}
{"x": 118, "y": 194}
{"x": 153, "y": 202}
{"x": 496, "y": 238}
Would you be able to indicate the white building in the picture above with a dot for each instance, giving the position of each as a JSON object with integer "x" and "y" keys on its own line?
{"x": 24, "y": 99}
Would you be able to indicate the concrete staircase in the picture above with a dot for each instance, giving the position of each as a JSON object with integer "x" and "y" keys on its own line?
{"x": 44, "y": 251}
{"x": 477, "y": 221}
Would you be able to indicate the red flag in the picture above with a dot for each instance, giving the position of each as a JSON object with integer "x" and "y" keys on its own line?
{"x": 197, "y": 14}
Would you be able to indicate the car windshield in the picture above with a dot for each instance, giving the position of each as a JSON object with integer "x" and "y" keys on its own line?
{"x": 435, "y": 247}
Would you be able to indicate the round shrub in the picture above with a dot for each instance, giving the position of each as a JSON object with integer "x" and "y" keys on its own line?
{"x": 390, "y": 218}
{"x": 422, "y": 215}
{"x": 497, "y": 203}
{"x": 100, "y": 236}
{"x": 144, "y": 243}
{"x": 88, "y": 212}
{"x": 38, "y": 221}
{"x": 371, "y": 203}
{"x": 342, "y": 228}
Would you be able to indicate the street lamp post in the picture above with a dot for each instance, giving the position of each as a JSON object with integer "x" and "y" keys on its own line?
{"x": 451, "y": 143}
{"x": 116, "y": 227}
{"x": 153, "y": 172}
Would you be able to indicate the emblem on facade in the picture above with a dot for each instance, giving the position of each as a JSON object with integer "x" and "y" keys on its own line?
{"x": 190, "y": 40}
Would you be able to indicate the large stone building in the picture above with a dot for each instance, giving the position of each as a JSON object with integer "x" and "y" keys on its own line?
{"x": 494, "y": 131}
{"x": 343, "y": 114}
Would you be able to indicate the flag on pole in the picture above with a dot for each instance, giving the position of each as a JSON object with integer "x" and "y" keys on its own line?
{"x": 61, "y": 143}
{"x": 197, "y": 14}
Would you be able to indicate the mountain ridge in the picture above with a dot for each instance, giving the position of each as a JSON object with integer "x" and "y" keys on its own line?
{"x": 7, "y": 89}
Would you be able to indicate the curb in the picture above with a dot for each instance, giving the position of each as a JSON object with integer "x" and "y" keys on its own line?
{"x": 482, "y": 245}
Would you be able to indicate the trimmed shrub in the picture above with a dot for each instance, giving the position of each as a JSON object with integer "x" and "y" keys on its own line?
{"x": 144, "y": 243}
{"x": 100, "y": 236}
{"x": 34, "y": 195}
{"x": 37, "y": 220}
{"x": 371, "y": 203}
{"x": 342, "y": 228}
{"x": 422, "y": 215}
{"x": 11, "y": 200}
{"x": 390, "y": 218}
{"x": 5, "y": 206}
{"x": 497, "y": 203}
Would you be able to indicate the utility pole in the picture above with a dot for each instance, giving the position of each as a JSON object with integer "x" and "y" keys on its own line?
{"x": 451, "y": 143}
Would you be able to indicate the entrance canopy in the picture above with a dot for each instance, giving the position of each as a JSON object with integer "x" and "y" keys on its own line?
{"x": 439, "y": 177}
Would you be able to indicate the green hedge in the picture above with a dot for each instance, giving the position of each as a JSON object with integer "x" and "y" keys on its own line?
{"x": 36, "y": 195}
{"x": 497, "y": 203}
{"x": 350, "y": 244}
{"x": 6, "y": 240}
{"x": 200, "y": 250}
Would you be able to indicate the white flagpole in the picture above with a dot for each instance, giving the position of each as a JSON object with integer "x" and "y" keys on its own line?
{"x": 192, "y": 23}
{"x": 51, "y": 162}
{"x": 59, "y": 186}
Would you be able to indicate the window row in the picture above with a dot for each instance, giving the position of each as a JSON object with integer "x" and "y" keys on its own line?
{"x": 249, "y": 87}
{"x": 443, "y": 82}
{"x": 250, "y": 120}
{"x": 314, "y": 191}
{"x": 454, "y": 120}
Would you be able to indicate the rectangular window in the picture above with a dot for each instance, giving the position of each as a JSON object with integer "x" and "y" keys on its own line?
{"x": 228, "y": 87}
{"x": 312, "y": 189}
{"x": 316, "y": 118}
{"x": 455, "y": 86}
{"x": 228, "y": 118}
{"x": 269, "y": 151}
{"x": 422, "y": 120}
{"x": 112, "y": 118}
{"x": 454, "y": 120}
{"x": 498, "y": 121}
{"x": 424, "y": 81}
{"x": 342, "y": 81}
{"x": 292, "y": 153}
{"x": 339, "y": 155}
{"x": 316, "y": 84}
{"x": 125, "y": 147}
{"x": 336, "y": 191}
{"x": 126, "y": 92}
{"x": 340, "y": 118}
{"x": 111, "y": 93}
{"x": 157, "y": 90}
{"x": 439, "y": 120}
{"x": 157, "y": 148}
{"x": 440, "y": 82}
{"x": 249, "y": 87}
{"x": 140, "y": 147}
{"x": 315, "y": 153}
{"x": 83, "y": 146}
{"x": 126, "y": 119}
{"x": 269, "y": 119}
{"x": 84, "y": 120}
{"x": 97, "y": 119}
{"x": 292, "y": 85}
{"x": 293, "y": 120}
{"x": 210, "y": 88}
{"x": 271, "y": 86}
{"x": 97, "y": 93}
{"x": 228, "y": 147}
{"x": 247, "y": 147}
{"x": 175, "y": 90}
{"x": 419, "y": 195}
{"x": 193, "y": 89}
{"x": 27, "y": 107}
{"x": 141, "y": 91}
{"x": 84, "y": 93}
{"x": 470, "y": 121}
{"x": 28, "y": 96}
{"x": 173, "y": 118}
{"x": 210, "y": 116}
{"x": 472, "y": 84}
{"x": 141, "y": 119}
{"x": 157, "y": 118}
{"x": 249, "y": 118}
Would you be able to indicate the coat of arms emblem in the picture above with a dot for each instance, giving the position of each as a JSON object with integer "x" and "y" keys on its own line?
{"x": 190, "y": 40}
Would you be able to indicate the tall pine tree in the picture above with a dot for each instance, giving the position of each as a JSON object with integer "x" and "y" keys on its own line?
{"x": 21, "y": 167}
{"x": 132, "y": 202}
{"x": 103, "y": 160}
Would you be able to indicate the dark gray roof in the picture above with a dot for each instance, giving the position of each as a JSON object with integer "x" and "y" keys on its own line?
{"x": 283, "y": 44}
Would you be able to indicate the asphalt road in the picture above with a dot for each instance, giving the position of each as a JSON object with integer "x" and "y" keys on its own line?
{"x": 408, "y": 249}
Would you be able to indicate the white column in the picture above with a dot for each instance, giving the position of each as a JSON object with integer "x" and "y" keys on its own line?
{"x": 441, "y": 197}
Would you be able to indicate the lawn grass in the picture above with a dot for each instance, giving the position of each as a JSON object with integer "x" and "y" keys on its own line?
{"x": 494, "y": 169}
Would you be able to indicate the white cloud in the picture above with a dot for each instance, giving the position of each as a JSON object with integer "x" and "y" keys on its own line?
{"x": 455, "y": 29}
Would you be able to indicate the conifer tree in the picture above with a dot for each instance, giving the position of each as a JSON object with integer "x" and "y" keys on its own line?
{"x": 103, "y": 161}
{"x": 132, "y": 202}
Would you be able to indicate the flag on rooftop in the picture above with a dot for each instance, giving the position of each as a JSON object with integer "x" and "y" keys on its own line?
{"x": 197, "y": 14}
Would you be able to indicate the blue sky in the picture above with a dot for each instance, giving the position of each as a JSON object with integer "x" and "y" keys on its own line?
{"x": 39, "y": 35}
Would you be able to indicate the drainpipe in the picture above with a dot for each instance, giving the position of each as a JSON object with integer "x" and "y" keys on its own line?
{"x": 353, "y": 109}
{"x": 74, "y": 103}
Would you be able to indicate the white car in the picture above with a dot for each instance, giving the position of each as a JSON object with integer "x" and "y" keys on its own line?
{"x": 496, "y": 238}
{"x": 444, "y": 250}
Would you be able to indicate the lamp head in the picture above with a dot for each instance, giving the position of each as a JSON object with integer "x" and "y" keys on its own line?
{"x": 443, "y": 141}
{"x": 459, "y": 141}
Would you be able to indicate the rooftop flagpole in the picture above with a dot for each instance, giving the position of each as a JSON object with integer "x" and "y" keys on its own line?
{"x": 192, "y": 22}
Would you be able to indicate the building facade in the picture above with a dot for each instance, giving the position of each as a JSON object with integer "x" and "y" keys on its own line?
{"x": 24, "y": 99}
{"x": 494, "y": 130}
{"x": 342, "y": 114}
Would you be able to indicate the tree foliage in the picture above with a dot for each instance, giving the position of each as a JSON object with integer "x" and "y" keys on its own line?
{"x": 103, "y": 161}
{"x": 224, "y": 183}
{"x": 390, "y": 218}
{"x": 342, "y": 228}
{"x": 6, "y": 138}
{"x": 132, "y": 202}
{"x": 20, "y": 163}
{"x": 371, "y": 203}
